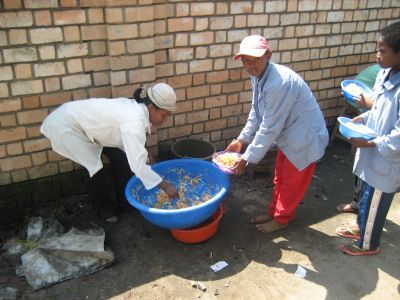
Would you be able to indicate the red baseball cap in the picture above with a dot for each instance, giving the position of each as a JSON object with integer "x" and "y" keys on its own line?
{"x": 252, "y": 45}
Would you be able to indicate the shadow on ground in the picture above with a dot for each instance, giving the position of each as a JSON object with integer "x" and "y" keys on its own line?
{"x": 152, "y": 265}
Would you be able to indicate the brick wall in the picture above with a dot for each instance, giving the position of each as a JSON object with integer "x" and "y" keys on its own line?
{"x": 53, "y": 51}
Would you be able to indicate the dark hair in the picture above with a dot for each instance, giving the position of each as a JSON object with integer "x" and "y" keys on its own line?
{"x": 136, "y": 95}
{"x": 145, "y": 100}
{"x": 390, "y": 34}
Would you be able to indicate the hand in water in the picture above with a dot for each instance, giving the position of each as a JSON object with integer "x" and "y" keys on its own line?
{"x": 169, "y": 189}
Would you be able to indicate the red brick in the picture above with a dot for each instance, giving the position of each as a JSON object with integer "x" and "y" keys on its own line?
{"x": 184, "y": 106}
{"x": 8, "y": 120}
{"x": 43, "y": 171}
{"x": 14, "y": 149}
{"x": 12, "y": 4}
{"x": 69, "y": 3}
{"x": 232, "y": 87}
{"x": 22, "y": 71}
{"x": 3, "y": 90}
{"x": 8, "y": 105}
{"x": 42, "y": 18}
{"x": 14, "y": 163}
{"x": 2, "y": 151}
{"x": 114, "y": 15}
{"x": 231, "y": 110}
{"x": 27, "y": 87}
{"x": 96, "y": 15}
{"x": 76, "y": 81}
{"x": 36, "y": 145}
{"x": 215, "y": 113}
{"x": 31, "y": 116}
{"x": 199, "y": 79}
{"x": 198, "y": 128}
{"x": 180, "y": 24}
{"x": 18, "y": 55}
{"x": 96, "y": 63}
{"x": 100, "y": 92}
{"x": 198, "y": 91}
{"x": 92, "y": 3}
{"x": 180, "y": 81}
{"x": 74, "y": 65}
{"x": 217, "y": 101}
{"x": 215, "y": 125}
{"x": 165, "y": 11}
{"x": 33, "y": 131}
{"x": 40, "y": 4}
{"x": 18, "y": 36}
{"x": 54, "y": 99}
{"x": 198, "y": 104}
{"x": 202, "y": 9}
{"x": 13, "y": 134}
{"x": 16, "y": 19}
{"x": 71, "y": 33}
{"x": 139, "y": 14}
{"x": 180, "y": 131}
{"x": 29, "y": 102}
{"x": 198, "y": 116}
{"x": 94, "y": 32}
{"x": 117, "y": 32}
{"x": 46, "y": 35}
{"x": 220, "y": 76}
{"x": 39, "y": 158}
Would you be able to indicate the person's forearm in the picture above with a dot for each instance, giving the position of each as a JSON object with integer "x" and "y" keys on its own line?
{"x": 163, "y": 185}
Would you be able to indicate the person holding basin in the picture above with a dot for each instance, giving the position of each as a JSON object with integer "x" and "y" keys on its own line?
{"x": 84, "y": 130}
{"x": 367, "y": 76}
{"x": 284, "y": 113}
{"x": 377, "y": 161}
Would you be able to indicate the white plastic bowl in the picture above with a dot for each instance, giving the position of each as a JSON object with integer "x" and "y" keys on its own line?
{"x": 220, "y": 166}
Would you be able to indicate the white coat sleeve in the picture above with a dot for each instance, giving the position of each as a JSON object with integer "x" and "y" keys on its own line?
{"x": 134, "y": 141}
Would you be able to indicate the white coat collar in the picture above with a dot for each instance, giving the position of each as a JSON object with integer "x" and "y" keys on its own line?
{"x": 147, "y": 115}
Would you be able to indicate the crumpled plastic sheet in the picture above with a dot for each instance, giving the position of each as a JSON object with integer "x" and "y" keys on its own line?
{"x": 8, "y": 293}
{"x": 59, "y": 257}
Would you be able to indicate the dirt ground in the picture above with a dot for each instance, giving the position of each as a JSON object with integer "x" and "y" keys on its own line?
{"x": 151, "y": 264}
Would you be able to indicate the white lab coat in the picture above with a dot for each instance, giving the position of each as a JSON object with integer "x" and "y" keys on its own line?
{"x": 80, "y": 129}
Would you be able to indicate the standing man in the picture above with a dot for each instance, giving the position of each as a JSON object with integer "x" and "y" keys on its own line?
{"x": 284, "y": 112}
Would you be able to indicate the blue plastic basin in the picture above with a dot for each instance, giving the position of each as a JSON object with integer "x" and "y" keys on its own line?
{"x": 348, "y": 132}
{"x": 351, "y": 98}
{"x": 210, "y": 180}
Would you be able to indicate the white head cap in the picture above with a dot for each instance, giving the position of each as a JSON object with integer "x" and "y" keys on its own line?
{"x": 163, "y": 96}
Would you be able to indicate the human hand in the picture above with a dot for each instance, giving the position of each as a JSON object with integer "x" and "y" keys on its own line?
{"x": 235, "y": 146}
{"x": 361, "y": 143}
{"x": 151, "y": 159}
{"x": 364, "y": 102}
{"x": 239, "y": 166}
{"x": 169, "y": 189}
{"x": 358, "y": 119}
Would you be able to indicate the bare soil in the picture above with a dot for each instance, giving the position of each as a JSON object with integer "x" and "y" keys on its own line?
{"x": 151, "y": 264}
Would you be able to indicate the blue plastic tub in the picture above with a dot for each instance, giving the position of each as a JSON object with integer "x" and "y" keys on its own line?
{"x": 349, "y": 96}
{"x": 209, "y": 180}
{"x": 348, "y": 132}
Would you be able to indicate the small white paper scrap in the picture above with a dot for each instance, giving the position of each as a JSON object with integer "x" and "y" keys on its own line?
{"x": 219, "y": 266}
{"x": 301, "y": 272}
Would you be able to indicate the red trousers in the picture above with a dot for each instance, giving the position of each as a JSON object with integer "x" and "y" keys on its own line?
{"x": 290, "y": 187}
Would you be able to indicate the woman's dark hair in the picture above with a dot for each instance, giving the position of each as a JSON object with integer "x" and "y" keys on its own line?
{"x": 145, "y": 100}
{"x": 390, "y": 34}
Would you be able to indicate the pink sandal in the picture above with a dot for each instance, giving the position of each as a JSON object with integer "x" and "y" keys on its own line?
{"x": 352, "y": 232}
{"x": 354, "y": 250}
